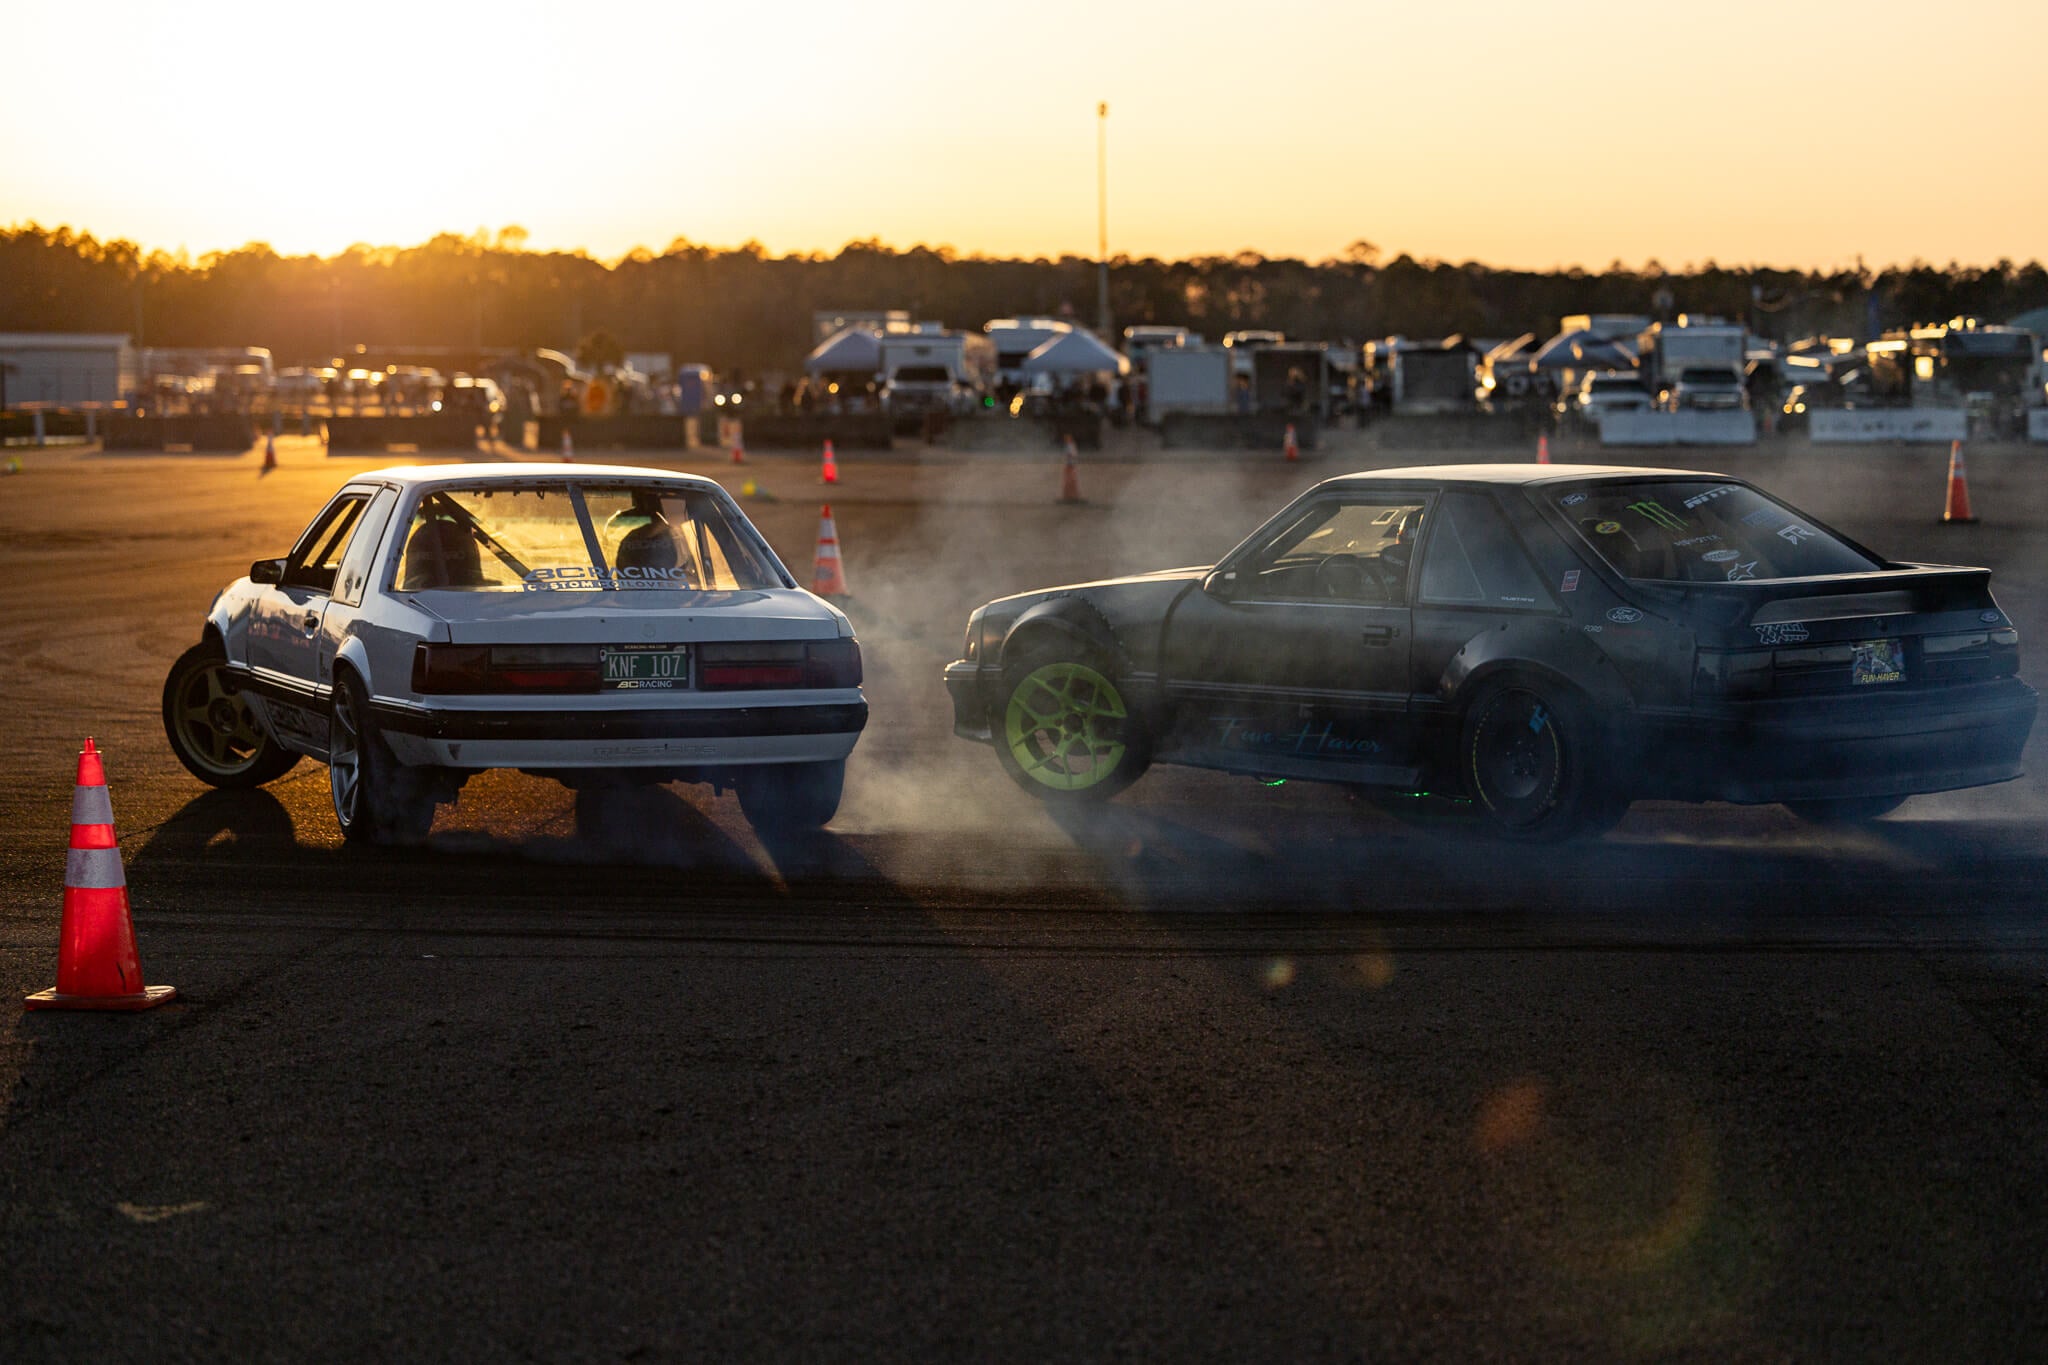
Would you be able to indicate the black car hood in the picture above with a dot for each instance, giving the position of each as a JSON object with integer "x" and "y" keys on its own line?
{"x": 1177, "y": 577}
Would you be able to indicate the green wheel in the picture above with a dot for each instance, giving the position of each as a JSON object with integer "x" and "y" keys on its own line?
{"x": 1064, "y": 731}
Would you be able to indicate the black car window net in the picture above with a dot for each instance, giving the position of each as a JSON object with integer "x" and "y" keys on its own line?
{"x": 1702, "y": 531}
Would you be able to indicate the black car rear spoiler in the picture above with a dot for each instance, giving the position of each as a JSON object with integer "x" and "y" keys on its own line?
{"x": 1904, "y": 589}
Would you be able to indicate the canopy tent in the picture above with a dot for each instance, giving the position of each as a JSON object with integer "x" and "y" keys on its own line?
{"x": 855, "y": 350}
{"x": 1584, "y": 350}
{"x": 2035, "y": 321}
{"x": 1074, "y": 352}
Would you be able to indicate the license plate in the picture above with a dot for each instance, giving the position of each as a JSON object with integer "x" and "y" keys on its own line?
{"x": 644, "y": 667}
{"x": 1878, "y": 661}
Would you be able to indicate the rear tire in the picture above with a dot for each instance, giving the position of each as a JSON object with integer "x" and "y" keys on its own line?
{"x": 1846, "y": 810}
{"x": 790, "y": 798}
{"x": 1530, "y": 755}
{"x": 212, "y": 730}
{"x": 376, "y": 798}
{"x": 1064, "y": 730}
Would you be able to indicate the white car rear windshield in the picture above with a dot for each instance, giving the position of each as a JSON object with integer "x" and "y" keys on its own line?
{"x": 1702, "y": 532}
{"x": 564, "y": 537}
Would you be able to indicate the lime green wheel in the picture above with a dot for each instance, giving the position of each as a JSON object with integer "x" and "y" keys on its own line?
{"x": 1065, "y": 732}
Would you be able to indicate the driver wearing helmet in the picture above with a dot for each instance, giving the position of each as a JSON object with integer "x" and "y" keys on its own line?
{"x": 646, "y": 541}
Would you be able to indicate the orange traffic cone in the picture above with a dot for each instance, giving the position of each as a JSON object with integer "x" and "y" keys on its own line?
{"x": 1543, "y": 450}
{"x": 828, "y": 577}
{"x": 1070, "y": 474}
{"x": 269, "y": 452}
{"x": 568, "y": 447}
{"x": 1957, "y": 511}
{"x": 1290, "y": 447}
{"x": 831, "y": 470}
{"x": 96, "y": 964}
{"x": 739, "y": 445}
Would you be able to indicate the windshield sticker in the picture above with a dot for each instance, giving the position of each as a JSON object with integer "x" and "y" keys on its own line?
{"x": 1571, "y": 500}
{"x": 1658, "y": 514}
{"x": 1795, "y": 533}
{"x": 1781, "y": 633}
{"x": 1700, "y": 499}
{"x": 1692, "y": 541}
{"x": 582, "y": 578}
{"x": 1607, "y": 528}
{"x": 1742, "y": 571}
{"x": 1720, "y": 556}
{"x": 1764, "y": 516}
{"x": 1571, "y": 581}
{"x": 1624, "y": 616}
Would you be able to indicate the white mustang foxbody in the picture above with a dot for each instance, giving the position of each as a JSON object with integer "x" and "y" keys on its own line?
{"x": 599, "y": 624}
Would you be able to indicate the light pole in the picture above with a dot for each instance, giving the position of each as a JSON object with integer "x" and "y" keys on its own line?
{"x": 1102, "y": 222}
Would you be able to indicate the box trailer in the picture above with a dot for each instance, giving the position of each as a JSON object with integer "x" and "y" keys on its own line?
{"x": 1186, "y": 379}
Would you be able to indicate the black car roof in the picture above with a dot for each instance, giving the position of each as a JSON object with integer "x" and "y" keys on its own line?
{"x": 1524, "y": 474}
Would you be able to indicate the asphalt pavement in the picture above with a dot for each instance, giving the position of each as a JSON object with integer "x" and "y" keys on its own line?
{"x": 1223, "y": 1071}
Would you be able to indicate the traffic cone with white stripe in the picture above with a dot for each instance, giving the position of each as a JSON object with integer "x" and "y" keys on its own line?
{"x": 828, "y": 576}
{"x": 1291, "y": 448}
{"x": 739, "y": 445}
{"x": 1070, "y": 474}
{"x": 269, "y": 452}
{"x": 97, "y": 968}
{"x": 830, "y": 472}
{"x": 568, "y": 447}
{"x": 1956, "y": 511}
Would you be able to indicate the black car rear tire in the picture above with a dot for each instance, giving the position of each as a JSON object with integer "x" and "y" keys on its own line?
{"x": 376, "y": 798}
{"x": 1847, "y": 810}
{"x": 1064, "y": 731}
{"x": 1530, "y": 756}
{"x": 791, "y": 798}
{"x": 212, "y": 730}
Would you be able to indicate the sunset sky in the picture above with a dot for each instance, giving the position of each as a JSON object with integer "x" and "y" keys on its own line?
{"x": 1532, "y": 135}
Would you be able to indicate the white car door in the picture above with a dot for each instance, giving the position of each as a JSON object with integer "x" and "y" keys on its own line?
{"x": 285, "y": 622}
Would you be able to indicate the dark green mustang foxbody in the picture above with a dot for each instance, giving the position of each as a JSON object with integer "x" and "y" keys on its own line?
{"x": 1550, "y": 641}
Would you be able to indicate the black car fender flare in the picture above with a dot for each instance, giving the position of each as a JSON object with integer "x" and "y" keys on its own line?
{"x": 1543, "y": 649}
{"x": 1072, "y": 620}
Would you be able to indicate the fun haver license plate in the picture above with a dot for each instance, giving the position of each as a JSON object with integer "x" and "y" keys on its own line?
{"x": 1878, "y": 661}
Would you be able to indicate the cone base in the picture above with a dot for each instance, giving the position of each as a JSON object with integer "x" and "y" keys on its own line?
{"x": 53, "y": 999}
{"x": 1958, "y": 521}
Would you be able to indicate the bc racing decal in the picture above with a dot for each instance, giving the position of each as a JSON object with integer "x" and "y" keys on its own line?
{"x": 582, "y": 578}
{"x": 1781, "y": 633}
{"x": 1691, "y": 541}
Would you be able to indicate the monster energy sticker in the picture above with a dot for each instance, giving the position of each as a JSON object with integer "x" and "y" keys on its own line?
{"x": 1658, "y": 514}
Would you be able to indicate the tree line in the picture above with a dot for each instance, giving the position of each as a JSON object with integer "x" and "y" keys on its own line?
{"x": 740, "y": 308}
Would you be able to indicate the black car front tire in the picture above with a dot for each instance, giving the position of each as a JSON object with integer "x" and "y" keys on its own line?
{"x": 212, "y": 730}
{"x": 1064, "y": 730}
{"x": 1847, "y": 810}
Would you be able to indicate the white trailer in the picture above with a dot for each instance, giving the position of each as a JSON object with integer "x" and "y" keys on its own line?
{"x": 1670, "y": 351}
{"x": 1186, "y": 379}
{"x": 924, "y": 372}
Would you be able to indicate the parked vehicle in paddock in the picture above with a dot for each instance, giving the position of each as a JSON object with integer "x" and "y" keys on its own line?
{"x": 1549, "y": 642}
{"x": 594, "y": 624}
